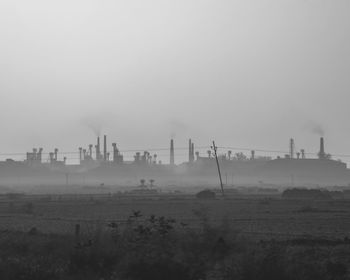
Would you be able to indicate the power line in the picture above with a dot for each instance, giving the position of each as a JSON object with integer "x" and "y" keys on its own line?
{"x": 109, "y": 151}
{"x": 176, "y": 149}
{"x": 276, "y": 151}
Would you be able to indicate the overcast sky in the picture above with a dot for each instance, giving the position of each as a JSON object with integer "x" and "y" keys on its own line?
{"x": 249, "y": 73}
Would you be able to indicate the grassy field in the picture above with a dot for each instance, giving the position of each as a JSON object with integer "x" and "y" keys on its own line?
{"x": 172, "y": 236}
{"x": 258, "y": 217}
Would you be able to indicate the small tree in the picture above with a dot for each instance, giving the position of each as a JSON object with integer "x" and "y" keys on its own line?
{"x": 240, "y": 156}
{"x": 143, "y": 181}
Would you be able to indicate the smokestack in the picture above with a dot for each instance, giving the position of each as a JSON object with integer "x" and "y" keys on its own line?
{"x": 114, "y": 145}
{"x": 105, "y": 147}
{"x": 115, "y": 152}
{"x": 321, "y": 154}
{"x": 98, "y": 148}
{"x": 291, "y": 148}
{"x": 172, "y": 156}
{"x": 192, "y": 152}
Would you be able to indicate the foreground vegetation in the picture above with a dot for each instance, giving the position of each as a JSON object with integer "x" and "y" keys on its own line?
{"x": 155, "y": 247}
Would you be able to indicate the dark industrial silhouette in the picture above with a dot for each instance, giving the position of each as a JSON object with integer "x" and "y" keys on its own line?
{"x": 112, "y": 167}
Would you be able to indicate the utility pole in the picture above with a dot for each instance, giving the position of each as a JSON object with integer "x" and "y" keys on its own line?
{"x": 217, "y": 164}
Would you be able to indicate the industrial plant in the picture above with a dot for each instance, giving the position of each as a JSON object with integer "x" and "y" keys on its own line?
{"x": 99, "y": 164}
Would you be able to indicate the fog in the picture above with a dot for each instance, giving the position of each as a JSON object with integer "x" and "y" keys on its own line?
{"x": 248, "y": 74}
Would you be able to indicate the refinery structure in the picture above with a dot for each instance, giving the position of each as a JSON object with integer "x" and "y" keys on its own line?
{"x": 100, "y": 165}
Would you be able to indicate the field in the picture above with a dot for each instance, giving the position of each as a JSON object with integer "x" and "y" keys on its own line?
{"x": 172, "y": 236}
{"x": 259, "y": 217}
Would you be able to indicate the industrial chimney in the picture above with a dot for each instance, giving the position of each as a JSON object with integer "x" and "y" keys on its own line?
{"x": 105, "y": 147}
{"x": 117, "y": 157}
{"x": 114, "y": 145}
{"x": 192, "y": 152}
{"x": 291, "y": 148}
{"x": 98, "y": 148}
{"x": 172, "y": 156}
{"x": 321, "y": 154}
{"x": 189, "y": 150}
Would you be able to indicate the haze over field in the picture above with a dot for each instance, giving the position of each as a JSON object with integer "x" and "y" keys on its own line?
{"x": 248, "y": 74}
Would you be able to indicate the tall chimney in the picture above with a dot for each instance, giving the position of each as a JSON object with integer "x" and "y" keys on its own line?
{"x": 189, "y": 150}
{"x": 115, "y": 152}
{"x": 192, "y": 152}
{"x": 172, "y": 156}
{"x": 98, "y": 148}
{"x": 105, "y": 147}
{"x": 321, "y": 154}
{"x": 291, "y": 148}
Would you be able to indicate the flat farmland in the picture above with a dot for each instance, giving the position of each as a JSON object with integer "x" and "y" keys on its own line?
{"x": 257, "y": 217}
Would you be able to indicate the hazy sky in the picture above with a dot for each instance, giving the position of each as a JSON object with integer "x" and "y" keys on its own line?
{"x": 249, "y": 73}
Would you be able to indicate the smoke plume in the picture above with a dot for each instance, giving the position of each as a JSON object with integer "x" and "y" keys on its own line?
{"x": 94, "y": 123}
{"x": 176, "y": 127}
{"x": 315, "y": 128}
